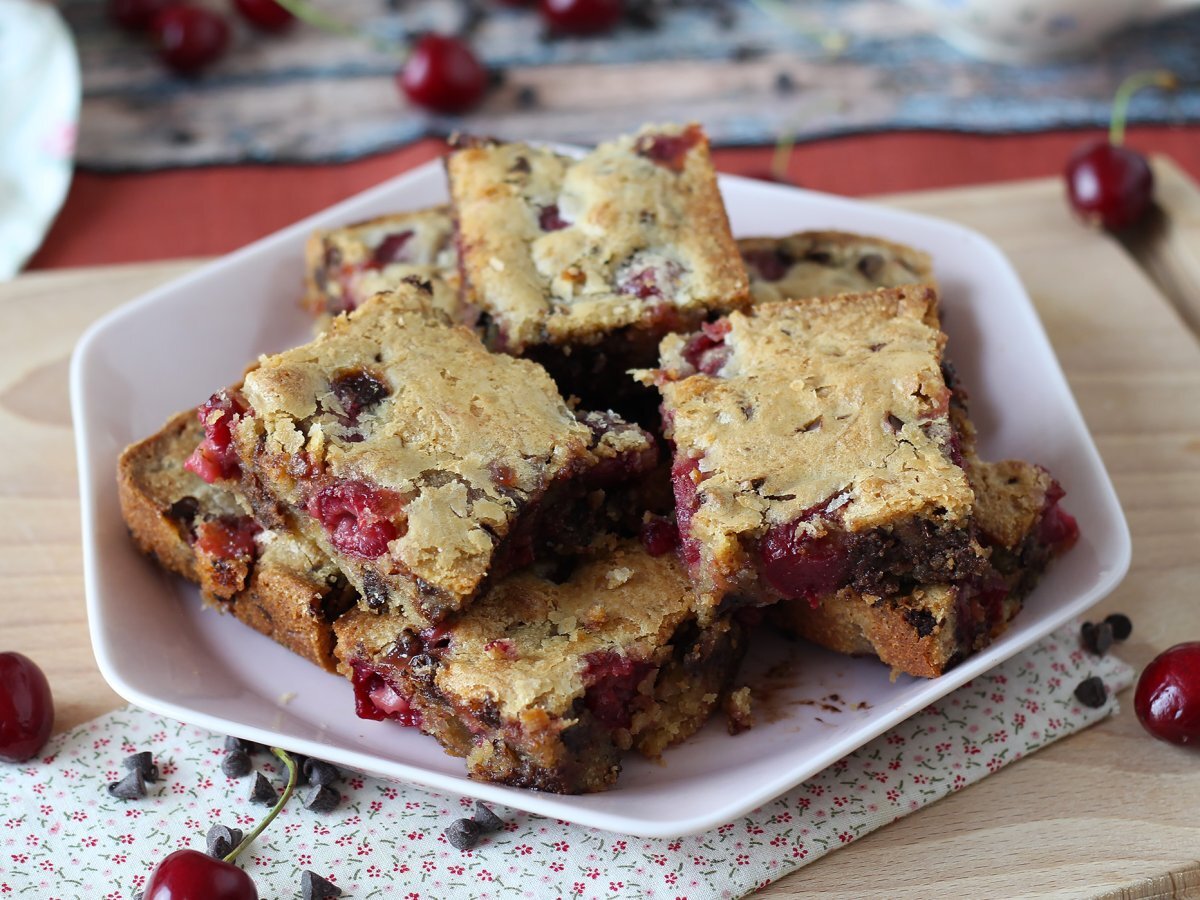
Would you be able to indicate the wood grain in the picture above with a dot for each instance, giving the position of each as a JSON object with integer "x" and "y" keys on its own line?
{"x": 1108, "y": 812}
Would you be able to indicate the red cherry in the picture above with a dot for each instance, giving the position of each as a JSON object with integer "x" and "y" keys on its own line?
{"x": 135, "y": 15}
{"x": 265, "y": 15}
{"x": 443, "y": 74}
{"x": 189, "y": 38}
{"x": 192, "y": 875}
{"x": 1108, "y": 185}
{"x": 1167, "y": 699}
{"x": 26, "y": 708}
{"x": 581, "y": 16}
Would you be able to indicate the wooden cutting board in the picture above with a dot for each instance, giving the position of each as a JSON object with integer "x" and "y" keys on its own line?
{"x": 1108, "y": 812}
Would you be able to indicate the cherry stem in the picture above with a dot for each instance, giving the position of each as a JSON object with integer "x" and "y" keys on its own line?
{"x": 293, "y": 777}
{"x": 1130, "y": 86}
{"x": 783, "y": 155}
{"x": 310, "y": 15}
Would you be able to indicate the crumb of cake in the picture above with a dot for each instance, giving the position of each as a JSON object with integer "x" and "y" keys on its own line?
{"x": 739, "y": 712}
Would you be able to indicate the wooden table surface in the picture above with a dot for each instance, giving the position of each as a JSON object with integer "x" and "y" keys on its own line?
{"x": 1108, "y": 811}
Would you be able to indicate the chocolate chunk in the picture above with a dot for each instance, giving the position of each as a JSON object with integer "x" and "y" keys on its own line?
{"x": 527, "y": 98}
{"x": 1096, "y": 638}
{"x": 922, "y": 621}
{"x": 319, "y": 772}
{"x": 1091, "y": 692}
{"x": 463, "y": 834}
{"x": 221, "y": 839}
{"x": 131, "y": 787}
{"x": 375, "y": 592}
{"x": 261, "y": 791}
{"x": 144, "y": 763}
{"x": 870, "y": 265}
{"x": 314, "y": 887}
{"x": 321, "y": 798}
{"x": 247, "y": 747}
{"x": 486, "y": 819}
{"x": 236, "y": 764}
{"x": 1121, "y": 626}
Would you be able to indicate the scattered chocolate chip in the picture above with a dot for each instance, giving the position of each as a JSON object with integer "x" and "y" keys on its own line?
{"x": 131, "y": 787}
{"x": 641, "y": 17}
{"x": 1096, "y": 638}
{"x": 1121, "y": 625}
{"x": 526, "y": 98}
{"x": 314, "y": 887}
{"x": 321, "y": 798}
{"x": 463, "y": 834}
{"x": 247, "y": 747}
{"x": 261, "y": 791}
{"x": 1091, "y": 692}
{"x": 747, "y": 52}
{"x": 144, "y": 763}
{"x": 221, "y": 839}
{"x": 486, "y": 819}
{"x": 236, "y": 764}
{"x": 317, "y": 771}
{"x": 784, "y": 83}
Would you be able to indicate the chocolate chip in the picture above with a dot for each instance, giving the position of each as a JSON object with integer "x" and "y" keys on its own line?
{"x": 236, "y": 764}
{"x": 375, "y": 592}
{"x": 144, "y": 763}
{"x": 922, "y": 620}
{"x": 314, "y": 887}
{"x": 131, "y": 787}
{"x": 321, "y": 798}
{"x": 870, "y": 265}
{"x": 527, "y": 98}
{"x": 463, "y": 834}
{"x": 261, "y": 791}
{"x": 486, "y": 819}
{"x": 1096, "y": 638}
{"x": 424, "y": 285}
{"x": 1091, "y": 692}
{"x": 784, "y": 83}
{"x": 1121, "y": 625}
{"x": 221, "y": 839}
{"x": 317, "y": 771}
{"x": 358, "y": 390}
{"x": 247, "y": 747}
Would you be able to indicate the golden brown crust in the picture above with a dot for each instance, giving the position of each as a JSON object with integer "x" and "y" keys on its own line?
{"x": 559, "y": 251}
{"x": 342, "y": 270}
{"x": 825, "y": 263}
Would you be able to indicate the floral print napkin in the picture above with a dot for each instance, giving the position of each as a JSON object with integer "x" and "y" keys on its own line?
{"x": 63, "y": 836}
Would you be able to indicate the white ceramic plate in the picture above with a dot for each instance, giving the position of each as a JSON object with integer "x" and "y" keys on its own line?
{"x": 159, "y": 649}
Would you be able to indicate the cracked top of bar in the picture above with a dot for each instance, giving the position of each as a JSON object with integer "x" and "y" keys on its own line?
{"x": 414, "y": 448}
{"x": 559, "y": 250}
{"x": 835, "y": 404}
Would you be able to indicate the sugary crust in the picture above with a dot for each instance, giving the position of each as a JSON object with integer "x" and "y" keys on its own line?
{"x": 825, "y": 263}
{"x": 344, "y": 267}
{"x": 510, "y": 691}
{"x": 837, "y": 401}
{"x": 922, "y": 633}
{"x": 287, "y": 592}
{"x": 632, "y": 225}
{"x": 464, "y": 440}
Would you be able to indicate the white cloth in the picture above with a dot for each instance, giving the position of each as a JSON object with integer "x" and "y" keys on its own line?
{"x": 39, "y": 111}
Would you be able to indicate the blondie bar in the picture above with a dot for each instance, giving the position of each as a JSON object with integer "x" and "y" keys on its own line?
{"x": 276, "y": 582}
{"x": 824, "y": 263}
{"x": 814, "y": 450}
{"x": 344, "y": 267}
{"x": 631, "y": 238}
{"x": 929, "y": 630}
{"x": 542, "y": 683}
{"x": 421, "y": 463}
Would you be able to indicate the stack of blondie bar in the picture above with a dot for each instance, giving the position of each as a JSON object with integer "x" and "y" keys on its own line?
{"x": 557, "y": 445}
